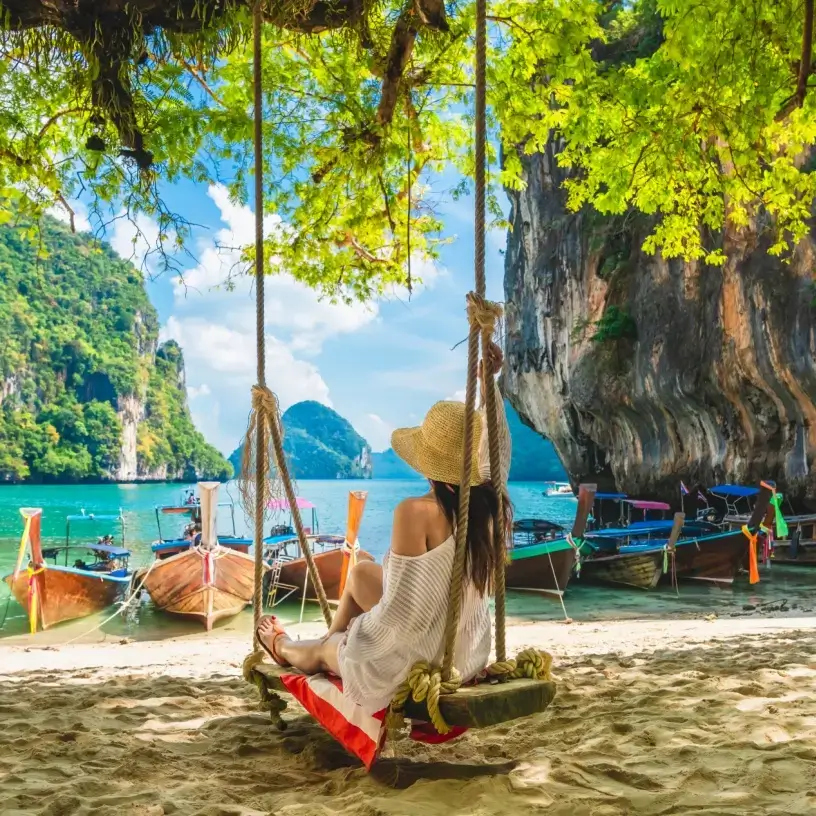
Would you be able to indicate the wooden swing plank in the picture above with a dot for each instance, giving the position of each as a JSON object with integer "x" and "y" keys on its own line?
{"x": 477, "y": 706}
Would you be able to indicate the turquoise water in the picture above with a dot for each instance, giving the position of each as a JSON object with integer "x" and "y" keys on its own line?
{"x": 797, "y": 586}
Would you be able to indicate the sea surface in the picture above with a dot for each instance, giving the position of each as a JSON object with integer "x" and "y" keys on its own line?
{"x": 795, "y": 586}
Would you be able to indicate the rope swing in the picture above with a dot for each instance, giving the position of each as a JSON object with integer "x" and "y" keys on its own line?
{"x": 426, "y": 684}
{"x": 263, "y": 443}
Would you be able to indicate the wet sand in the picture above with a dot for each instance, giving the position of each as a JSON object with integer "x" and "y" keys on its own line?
{"x": 651, "y": 717}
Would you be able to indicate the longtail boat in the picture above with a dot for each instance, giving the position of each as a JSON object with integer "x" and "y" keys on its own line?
{"x": 631, "y": 557}
{"x": 793, "y": 539}
{"x": 719, "y": 557}
{"x": 795, "y": 543}
{"x": 334, "y": 555}
{"x": 641, "y": 556}
{"x": 202, "y": 576}
{"x": 542, "y": 558}
{"x": 53, "y": 592}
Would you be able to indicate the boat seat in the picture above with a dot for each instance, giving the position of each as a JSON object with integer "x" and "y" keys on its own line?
{"x": 477, "y": 706}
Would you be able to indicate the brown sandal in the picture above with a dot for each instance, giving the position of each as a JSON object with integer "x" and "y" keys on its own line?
{"x": 270, "y": 650}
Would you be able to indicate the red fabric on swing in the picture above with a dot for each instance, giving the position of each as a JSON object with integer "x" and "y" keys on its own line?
{"x": 360, "y": 732}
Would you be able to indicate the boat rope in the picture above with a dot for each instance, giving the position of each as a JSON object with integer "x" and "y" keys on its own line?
{"x": 122, "y": 606}
{"x": 5, "y": 611}
{"x": 559, "y": 591}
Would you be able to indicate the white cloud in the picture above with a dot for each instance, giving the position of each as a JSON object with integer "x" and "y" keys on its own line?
{"x": 136, "y": 239}
{"x": 194, "y": 392}
{"x": 218, "y": 286}
{"x": 226, "y": 357}
{"x": 375, "y": 430}
{"x": 457, "y": 396}
{"x": 213, "y": 320}
{"x": 229, "y": 354}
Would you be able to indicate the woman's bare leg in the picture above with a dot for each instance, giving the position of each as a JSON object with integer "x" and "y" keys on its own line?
{"x": 363, "y": 590}
{"x": 310, "y": 656}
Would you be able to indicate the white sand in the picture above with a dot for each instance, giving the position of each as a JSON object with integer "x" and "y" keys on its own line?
{"x": 651, "y": 717}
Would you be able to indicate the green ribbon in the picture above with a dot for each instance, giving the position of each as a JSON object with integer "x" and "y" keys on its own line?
{"x": 781, "y": 524}
{"x": 665, "y": 560}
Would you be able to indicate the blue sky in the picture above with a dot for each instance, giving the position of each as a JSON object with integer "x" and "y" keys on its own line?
{"x": 380, "y": 365}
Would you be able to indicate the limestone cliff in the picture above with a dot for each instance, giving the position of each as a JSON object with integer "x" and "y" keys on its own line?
{"x": 644, "y": 371}
{"x": 86, "y": 393}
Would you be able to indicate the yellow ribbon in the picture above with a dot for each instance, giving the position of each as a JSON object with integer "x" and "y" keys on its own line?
{"x": 21, "y": 551}
{"x": 33, "y": 598}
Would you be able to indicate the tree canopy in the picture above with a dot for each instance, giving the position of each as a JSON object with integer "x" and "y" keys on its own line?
{"x": 698, "y": 113}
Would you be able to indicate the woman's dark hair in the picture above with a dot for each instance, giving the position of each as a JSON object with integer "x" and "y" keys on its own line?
{"x": 480, "y": 558}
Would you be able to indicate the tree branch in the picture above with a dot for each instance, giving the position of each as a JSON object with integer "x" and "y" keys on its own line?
{"x": 805, "y": 66}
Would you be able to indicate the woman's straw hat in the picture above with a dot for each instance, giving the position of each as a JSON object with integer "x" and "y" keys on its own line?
{"x": 435, "y": 448}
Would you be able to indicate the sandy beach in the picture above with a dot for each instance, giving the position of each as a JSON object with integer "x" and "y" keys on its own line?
{"x": 653, "y": 717}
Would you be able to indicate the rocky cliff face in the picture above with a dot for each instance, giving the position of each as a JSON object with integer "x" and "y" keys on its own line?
{"x": 86, "y": 393}
{"x": 644, "y": 372}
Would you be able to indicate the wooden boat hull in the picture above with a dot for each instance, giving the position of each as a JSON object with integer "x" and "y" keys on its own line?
{"x": 783, "y": 553}
{"x": 716, "y": 558}
{"x": 207, "y": 586}
{"x": 547, "y": 573}
{"x": 65, "y": 594}
{"x": 641, "y": 570}
{"x": 330, "y": 568}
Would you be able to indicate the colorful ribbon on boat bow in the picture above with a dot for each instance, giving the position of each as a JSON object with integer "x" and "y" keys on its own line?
{"x": 779, "y": 519}
{"x": 753, "y": 567}
{"x": 33, "y": 597}
{"x": 23, "y": 542}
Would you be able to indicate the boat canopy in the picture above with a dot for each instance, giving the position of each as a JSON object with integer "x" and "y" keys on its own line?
{"x": 181, "y": 509}
{"x": 107, "y": 549}
{"x": 739, "y": 491}
{"x": 610, "y": 496}
{"x": 625, "y": 532}
{"x": 531, "y": 525}
{"x": 283, "y": 504}
{"x": 647, "y": 505}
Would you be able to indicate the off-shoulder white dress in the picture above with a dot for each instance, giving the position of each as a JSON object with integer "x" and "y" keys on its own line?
{"x": 408, "y": 624}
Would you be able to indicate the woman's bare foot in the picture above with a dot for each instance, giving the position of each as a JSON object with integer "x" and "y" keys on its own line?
{"x": 269, "y": 633}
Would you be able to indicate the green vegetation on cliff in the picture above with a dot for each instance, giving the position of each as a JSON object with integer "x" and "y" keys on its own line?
{"x": 320, "y": 444}
{"x": 80, "y": 375}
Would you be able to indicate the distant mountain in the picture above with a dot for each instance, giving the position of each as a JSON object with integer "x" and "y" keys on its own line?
{"x": 320, "y": 444}
{"x": 387, "y": 465}
{"x": 534, "y": 458}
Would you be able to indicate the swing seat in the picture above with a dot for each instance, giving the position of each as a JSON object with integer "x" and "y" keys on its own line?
{"x": 477, "y": 706}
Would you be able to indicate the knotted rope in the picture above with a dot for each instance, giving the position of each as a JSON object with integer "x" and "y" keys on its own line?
{"x": 256, "y": 483}
{"x": 485, "y": 315}
{"x": 423, "y": 684}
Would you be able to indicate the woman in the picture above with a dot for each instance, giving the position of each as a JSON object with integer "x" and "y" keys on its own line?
{"x": 392, "y": 616}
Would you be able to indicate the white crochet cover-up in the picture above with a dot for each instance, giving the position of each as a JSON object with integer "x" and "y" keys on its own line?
{"x": 408, "y": 624}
